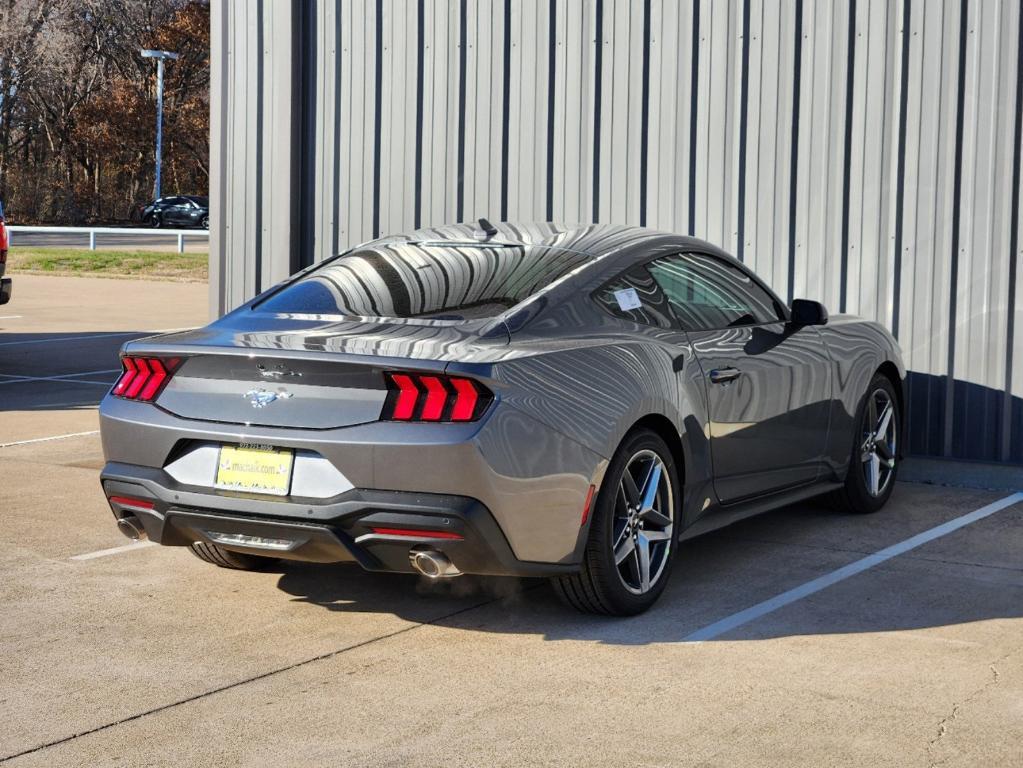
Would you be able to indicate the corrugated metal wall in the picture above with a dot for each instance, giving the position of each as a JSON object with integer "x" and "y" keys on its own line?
{"x": 863, "y": 152}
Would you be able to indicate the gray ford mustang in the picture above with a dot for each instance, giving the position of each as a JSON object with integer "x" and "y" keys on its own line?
{"x": 522, "y": 400}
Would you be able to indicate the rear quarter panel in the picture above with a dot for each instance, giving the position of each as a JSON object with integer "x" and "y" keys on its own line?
{"x": 598, "y": 376}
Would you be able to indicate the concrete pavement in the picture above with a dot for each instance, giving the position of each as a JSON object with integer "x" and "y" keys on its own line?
{"x": 151, "y": 657}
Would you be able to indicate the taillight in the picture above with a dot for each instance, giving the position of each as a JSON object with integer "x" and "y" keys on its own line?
{"x": 144, "y": 378}
{"x": 434, "y": 397}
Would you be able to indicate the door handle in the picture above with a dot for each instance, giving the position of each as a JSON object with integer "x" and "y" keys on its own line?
{"x": 724, "y": 375}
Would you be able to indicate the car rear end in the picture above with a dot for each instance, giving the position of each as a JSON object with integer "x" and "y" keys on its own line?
{"x": 387, "y": 442}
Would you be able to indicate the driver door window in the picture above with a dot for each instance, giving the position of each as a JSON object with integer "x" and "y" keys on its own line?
{"x": 707, "y": 293}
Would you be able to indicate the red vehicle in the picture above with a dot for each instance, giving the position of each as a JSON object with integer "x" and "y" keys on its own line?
{"x": 5, "y": 282}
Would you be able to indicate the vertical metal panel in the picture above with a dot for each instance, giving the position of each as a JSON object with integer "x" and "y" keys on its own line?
{"x": 574, "y": 97}
{"x": 440, "y": 110}
{"x": 669, "y": 110}
{"x": 528, "y": 110}
{"x": 252, "y": 124}
{"x": 863, "y": 151}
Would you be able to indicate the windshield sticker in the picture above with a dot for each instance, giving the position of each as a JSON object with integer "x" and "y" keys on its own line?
{"x": 628, "y": 299}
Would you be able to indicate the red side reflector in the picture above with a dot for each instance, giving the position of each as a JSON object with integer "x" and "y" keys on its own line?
{"x": 412, "y": 533}
{"x": 125, "y": 501}
{"x": 436, "y": 396}
{"x": 465, "y": 400}
{"x": 586, "y": 506}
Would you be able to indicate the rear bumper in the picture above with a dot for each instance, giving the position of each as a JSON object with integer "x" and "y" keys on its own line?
{"x": 339, "y": 529}
{"x": 532, "y": 480}
{"x": 6, "y": 288}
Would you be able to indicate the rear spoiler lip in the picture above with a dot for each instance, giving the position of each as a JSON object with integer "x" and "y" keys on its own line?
{"x": 155, "y": 348}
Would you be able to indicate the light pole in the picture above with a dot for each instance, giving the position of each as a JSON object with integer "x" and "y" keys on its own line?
{"x": 161, "y": 57}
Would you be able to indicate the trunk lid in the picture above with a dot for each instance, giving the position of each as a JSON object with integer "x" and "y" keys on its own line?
{"x": 304, "y": 373}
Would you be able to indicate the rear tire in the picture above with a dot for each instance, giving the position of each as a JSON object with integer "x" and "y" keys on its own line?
{"x": 863, "y": 492}
{"x": 619, "y": 577}
{"x": 225, "y": 558}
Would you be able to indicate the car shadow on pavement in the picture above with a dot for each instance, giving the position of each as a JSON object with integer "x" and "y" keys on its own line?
{"x": 969, "y": 578}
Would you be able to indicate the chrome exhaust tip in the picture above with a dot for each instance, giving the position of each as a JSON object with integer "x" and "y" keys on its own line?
{"x": 432, "y": 564}
{"x": 131, "y": 527}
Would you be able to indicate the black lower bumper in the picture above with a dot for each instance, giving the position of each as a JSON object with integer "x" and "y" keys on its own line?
{"x": 376, "y": 529}
{"x": 6, "y": 289}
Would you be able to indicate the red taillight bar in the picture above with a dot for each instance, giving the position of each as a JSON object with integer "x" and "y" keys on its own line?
{"x": 434, "y": 397}
{"x": 144, "y": 378}
{"x": 405, "y": 401}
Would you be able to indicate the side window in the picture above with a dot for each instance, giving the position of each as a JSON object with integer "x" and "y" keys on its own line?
{"x": 707, "y": 293}
{"x": 634, "y": 296}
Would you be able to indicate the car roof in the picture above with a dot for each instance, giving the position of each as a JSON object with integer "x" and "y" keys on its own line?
{"x": 594, "y": 240}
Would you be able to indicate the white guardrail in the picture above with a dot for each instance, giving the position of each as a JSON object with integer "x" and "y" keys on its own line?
{"x": 92, "y": 232}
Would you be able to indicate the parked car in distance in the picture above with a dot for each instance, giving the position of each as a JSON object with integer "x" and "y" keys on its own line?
{"x": 6, "y": 284}
{"x": 518, "y": 399}
{"x": 178, "y": 211}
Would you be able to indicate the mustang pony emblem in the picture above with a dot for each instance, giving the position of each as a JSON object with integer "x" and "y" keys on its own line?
{"x": 261, "y": 398}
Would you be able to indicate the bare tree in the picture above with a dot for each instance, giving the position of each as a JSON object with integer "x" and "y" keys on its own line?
{"x": 77, "y": 104}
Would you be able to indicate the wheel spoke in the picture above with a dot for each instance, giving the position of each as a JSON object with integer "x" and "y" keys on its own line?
{"x": 874, "y": 474}
{"x": 643, "y": 551}
{"x": 653, "y": 536}
{"x": 885, "y": 420}
{"x": 620, "y": 537}
{"x": 625, "y": 549}
{"x": 884, "y": 451}
{"x": 872, "y": 412}
{"x": 655, "y": 517}
{"x": 650, "y": 486}
{"x": 632, "y": 497}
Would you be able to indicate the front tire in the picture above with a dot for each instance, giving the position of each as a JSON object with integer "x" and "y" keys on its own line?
{"x": 633, "y": 536}
{"x": 225, "y": 558}
{"x": 873, "y": 465}
{"x": 154, "y": 221}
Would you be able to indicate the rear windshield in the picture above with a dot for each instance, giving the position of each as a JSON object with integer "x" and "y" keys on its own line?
{"x": 441, "y": 281}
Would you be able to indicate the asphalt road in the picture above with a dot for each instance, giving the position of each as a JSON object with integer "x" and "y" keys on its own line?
{"x": 146, "y": 656}
{"x": 155, "y": 241}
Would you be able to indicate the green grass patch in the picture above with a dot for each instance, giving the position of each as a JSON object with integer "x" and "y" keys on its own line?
{"x": 110, "y": 263}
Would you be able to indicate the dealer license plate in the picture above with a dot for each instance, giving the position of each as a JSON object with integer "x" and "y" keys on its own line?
{"x": 255, "y": 469}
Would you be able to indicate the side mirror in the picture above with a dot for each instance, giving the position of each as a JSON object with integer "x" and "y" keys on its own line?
{"x": 806, "y": 312}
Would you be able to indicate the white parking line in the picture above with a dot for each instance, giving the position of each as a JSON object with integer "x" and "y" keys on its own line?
{"x": 11, "y": 378}
{"x": 115, "y": 550}
{"x": 47, "y": 439}
{"x": 729, "y": 623}
{"x": 109, "y": 335}
{"x": 10, "y": 317}
{"x": 74, "y": 338}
